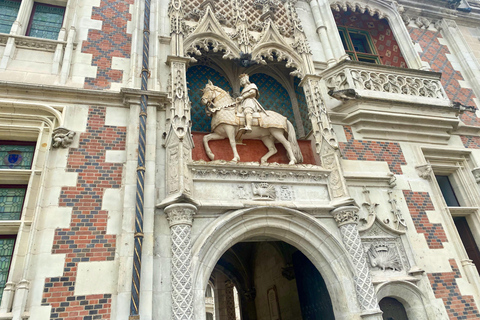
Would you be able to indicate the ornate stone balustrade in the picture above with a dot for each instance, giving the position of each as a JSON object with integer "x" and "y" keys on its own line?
{"x": 367, "y": 79}
{"x": 383, "y": 102}
{"x": 33, "y": 43}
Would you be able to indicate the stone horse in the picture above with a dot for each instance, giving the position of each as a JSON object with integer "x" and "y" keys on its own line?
{"x": 268, "y": 127}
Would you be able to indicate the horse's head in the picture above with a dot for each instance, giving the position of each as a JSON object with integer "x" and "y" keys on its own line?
{"x": 209, "y": 93}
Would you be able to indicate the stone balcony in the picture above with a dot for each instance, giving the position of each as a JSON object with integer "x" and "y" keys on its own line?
{"x": 384, "y": 102}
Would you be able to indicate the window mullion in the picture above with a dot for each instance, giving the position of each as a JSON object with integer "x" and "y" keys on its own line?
{"x": 20, "y": 25}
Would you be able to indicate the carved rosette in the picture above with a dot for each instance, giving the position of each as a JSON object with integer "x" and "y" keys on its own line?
{"x": 347, "y": 218}
{"x": 180, "y": 217}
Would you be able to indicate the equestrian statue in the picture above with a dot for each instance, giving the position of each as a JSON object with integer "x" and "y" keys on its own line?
{"x": 245, "y": 118}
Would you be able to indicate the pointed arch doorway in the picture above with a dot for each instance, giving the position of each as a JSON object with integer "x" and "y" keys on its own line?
{"x": 267, "y": 279}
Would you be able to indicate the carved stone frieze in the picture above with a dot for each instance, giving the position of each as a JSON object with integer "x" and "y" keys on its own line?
{"x": 62, "y": 137}
{"x": 264, "y": 191}
{"x": 424, "y": 171}
{"x": 215, "y": 170}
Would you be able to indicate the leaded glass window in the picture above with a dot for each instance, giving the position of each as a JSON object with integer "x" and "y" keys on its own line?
{"x": 6, "y": 250}
{"x": 8, "y": 14}
{"x": 16, "y": 155}
{"x": 46, "y": 21}
{"x": 11, "y": 202}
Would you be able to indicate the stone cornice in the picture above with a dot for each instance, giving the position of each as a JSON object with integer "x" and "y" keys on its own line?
{"x": 68, "y": 95}
{"x": 433, "y": 11}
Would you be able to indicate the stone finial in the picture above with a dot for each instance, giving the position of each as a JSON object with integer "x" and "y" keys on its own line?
{"x": 62, "y": 137}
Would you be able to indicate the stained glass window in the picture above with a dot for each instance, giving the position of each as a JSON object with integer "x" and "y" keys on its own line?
{"x": 8, "y": 14}
{"x": 11, "y": 202}
{"x": 6, "y": 250}
{"x": 46, "y": 21}
{"x": 16, "y": 156}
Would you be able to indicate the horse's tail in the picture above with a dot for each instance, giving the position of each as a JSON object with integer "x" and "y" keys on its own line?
{"x": 292, "y": 138}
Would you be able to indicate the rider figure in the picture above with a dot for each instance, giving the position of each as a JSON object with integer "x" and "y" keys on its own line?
{"x": 247, "y": 101}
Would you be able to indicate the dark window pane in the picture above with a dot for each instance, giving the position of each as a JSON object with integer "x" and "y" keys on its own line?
{"x": 16, "y": 156}
{"x": 360, "y": 43}
{"x": 344, "y": 40}
{"x": 46, "y": 21}
{"x": 392, "y": 309}
{"x": 447, "y": 191}
{"x": 468, "y": 240}
{"x": 8, "y": 14}
{"x": 11, "y": 202}
{"x": 6, "y": 251}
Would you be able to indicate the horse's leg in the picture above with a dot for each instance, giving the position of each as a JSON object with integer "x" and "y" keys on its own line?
{"x": 206, "y": 139}
{"x": 269, "y": 142}
{"x": 278, "y": 134}
{"x": 230, "y": 131}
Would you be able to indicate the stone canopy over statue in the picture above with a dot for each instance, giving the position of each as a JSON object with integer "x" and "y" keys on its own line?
{"x": 245, "y": 118}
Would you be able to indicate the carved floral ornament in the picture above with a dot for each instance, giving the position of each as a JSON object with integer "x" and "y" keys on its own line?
{"x": 346, "y": 215}
{"x": 180, "y": 214}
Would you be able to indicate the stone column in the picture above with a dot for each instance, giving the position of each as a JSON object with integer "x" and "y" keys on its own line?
{"x": 347, "y": 219}
{"x": 180, "y": 217}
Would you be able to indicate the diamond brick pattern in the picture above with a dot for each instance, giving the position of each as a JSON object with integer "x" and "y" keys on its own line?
{"x": 436, "y": 54}
{"x": 445, "y": 287}
{"x": 418, "y": 203}
{"x": 391, "y": 152}
{"x": 302, "y": 106}
{"x": 111, "y": 41}
{"x": 86, "y": 239}
{"x": 382, "y": 36}
{"x": 223, "y": 8}
{"x": 471, "y": 142}
{"x": 197, "y": 78}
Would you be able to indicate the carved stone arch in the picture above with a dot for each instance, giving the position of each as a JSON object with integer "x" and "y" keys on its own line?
{"x": 291, "y": 226}
{"x": 390, "y": 11}
{"x": 210, "y": 35}
{"x": 409, "y": 295}
{"x": 272, "y": 51}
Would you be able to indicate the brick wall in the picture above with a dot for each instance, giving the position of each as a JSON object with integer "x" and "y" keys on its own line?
{"x": 111, "y": 41}
{"x": 436, "y": 55}
{"x": 471, "y": 142}
{"x": 373, "y": 151}
{"x": 86, "y": 239}
{"x": 445, "y": 287}
{"x": 418, "y": 203}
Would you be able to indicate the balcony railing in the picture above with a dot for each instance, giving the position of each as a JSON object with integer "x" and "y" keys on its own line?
{"x": 385, "y": 82}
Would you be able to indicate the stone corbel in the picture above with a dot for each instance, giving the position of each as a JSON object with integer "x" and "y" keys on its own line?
{"x": 424, "y": 171}
{"x": 476, "y": 174}
{"x": 62, "y": 137}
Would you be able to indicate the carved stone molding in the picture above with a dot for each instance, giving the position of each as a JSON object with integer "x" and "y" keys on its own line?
{"x": 62, "y": 137}
{"x": 424, "y": 171}
{"x": 476, "y": 174}
{"x": 346, "y": 215}
{"x": 180, "y": 214}
{"x": 398, "y": 221}
{"x": 264, "y": 191}
{"x": 422, "y": 22}
{"x": 34, "y": 43}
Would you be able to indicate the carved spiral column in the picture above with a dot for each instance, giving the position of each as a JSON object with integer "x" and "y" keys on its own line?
{"x": 347, "y": 219}
{"x": 180, "y": 217}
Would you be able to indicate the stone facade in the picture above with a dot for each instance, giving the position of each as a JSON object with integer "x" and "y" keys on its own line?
{"x": 123, "y": 215}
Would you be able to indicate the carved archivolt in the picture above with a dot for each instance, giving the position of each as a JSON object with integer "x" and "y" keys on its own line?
{"x": 372, "y": 8}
